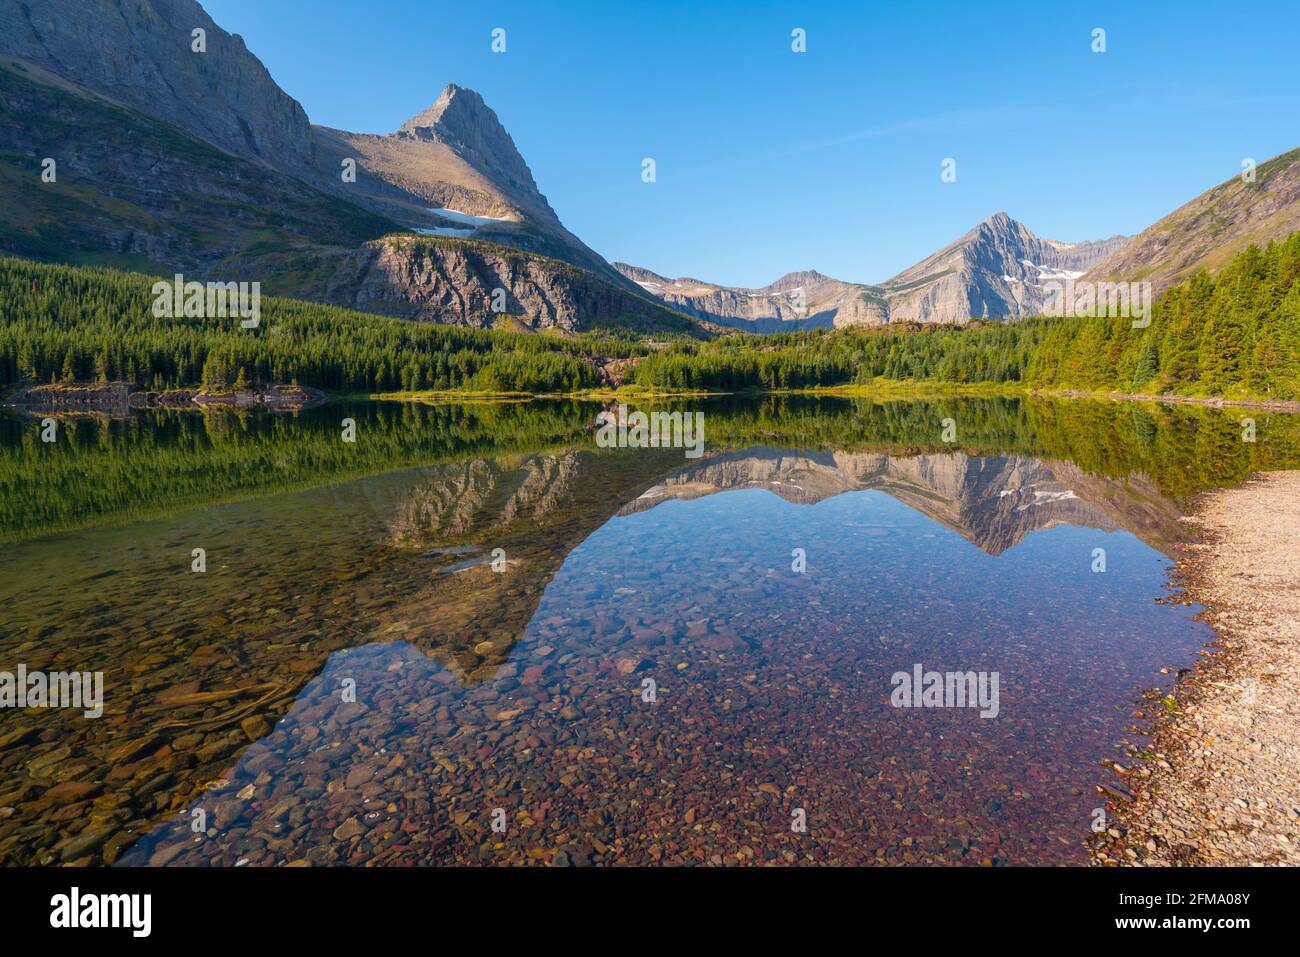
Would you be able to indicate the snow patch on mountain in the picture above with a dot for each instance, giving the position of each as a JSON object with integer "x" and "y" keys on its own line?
{"x": 457, "y": 216}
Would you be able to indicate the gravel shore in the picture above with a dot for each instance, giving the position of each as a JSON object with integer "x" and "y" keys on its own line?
{"x": 1221, "y": 783}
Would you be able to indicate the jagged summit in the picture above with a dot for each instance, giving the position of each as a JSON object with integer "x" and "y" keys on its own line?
{"x": 432, "y": 115}
{"x": 456, "y": 108}
{"x": 999, "y": 269}
{"x": 453, "y": 170}
{"x": 460, "y": 120}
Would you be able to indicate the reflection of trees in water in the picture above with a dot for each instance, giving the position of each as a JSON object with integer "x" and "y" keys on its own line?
{"x": 523, "y": 477}
{"x": 159, "y": 461}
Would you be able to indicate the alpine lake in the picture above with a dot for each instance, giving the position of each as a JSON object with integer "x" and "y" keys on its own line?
{"x": 476, "y": 636}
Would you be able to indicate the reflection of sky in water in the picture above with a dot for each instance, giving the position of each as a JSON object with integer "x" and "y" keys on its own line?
{"x": 773, "y": 693}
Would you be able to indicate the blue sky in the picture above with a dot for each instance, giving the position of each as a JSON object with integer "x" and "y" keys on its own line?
{"x": 770, "y": 161}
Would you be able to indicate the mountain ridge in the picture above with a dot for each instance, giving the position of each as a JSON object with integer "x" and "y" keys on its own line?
{"x": 997, "y": 270}
{"x": 132, "y": 189}
{"x": 141, "y": 55}
{"x": 1212, "y": 228}
{"x": 452, "y": 170}
{"x": 165, "y": 163}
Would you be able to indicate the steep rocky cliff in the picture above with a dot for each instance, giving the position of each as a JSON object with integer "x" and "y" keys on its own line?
{"x": 140, "y": 53}
{"x": 454, "y": 280}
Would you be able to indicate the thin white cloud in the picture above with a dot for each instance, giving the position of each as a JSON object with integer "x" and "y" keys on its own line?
{"x": 953, "y": 122}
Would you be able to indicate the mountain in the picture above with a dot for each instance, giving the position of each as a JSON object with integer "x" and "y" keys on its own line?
{"x": 440, "y": 279}
{"x": 175, "y": 160}
{"x": 1213, "y": 228}
{"x": 798, "y": 300}
{"x": 453, "y": 170}
{"x": 998, "y": 270}
{"x": 140, "y": 55}
{"x": 134, "y": 192}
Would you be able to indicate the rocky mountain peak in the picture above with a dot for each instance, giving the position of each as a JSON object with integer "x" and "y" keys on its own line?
{"x": 460, "y": 120}
{"x": 1001, "y": 228}
{"x": 460, "y": 102}
{"x": 793, "y": 280}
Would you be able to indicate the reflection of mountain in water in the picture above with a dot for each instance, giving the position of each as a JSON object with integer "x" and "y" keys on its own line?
{"x": 487, "y": 494}
{"x": 536, "y": 508}
{"x": 992, "y": 502}
{"x": 226, "y": 658}
{"x": 539, "y": 508}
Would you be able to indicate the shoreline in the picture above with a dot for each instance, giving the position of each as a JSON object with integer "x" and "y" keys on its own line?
{"x": 1218, "y": 402}
{"x": 120, "y": 398}
{"x": 1220, "y": 783}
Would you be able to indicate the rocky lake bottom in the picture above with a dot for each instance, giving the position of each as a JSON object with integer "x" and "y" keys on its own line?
{"x": 538, "y": 651}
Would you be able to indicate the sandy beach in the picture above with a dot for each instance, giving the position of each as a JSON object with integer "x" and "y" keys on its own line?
{"x": 1221, "y": 785}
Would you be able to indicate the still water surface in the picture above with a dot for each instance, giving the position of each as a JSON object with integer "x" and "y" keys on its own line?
{"x": 354, "y": 680}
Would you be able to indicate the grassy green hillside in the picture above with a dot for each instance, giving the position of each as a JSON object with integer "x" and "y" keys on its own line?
{"x": 1211, "y": 230}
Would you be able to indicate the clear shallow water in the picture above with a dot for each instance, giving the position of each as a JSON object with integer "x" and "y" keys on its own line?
{"x": 521, "y": 690}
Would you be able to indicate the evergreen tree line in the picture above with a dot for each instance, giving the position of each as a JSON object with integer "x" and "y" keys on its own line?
{"x": 1233, "y": 334}
{"x": 70, "y": 324}
{"x": 978, "y": 352}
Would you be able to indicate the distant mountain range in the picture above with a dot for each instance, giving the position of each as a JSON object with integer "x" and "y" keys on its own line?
{"x": 998, "y": 270}
{"x": 798, "y": 300}
{"x": 1002, "y": 270}
{"x": 175, "y": 159}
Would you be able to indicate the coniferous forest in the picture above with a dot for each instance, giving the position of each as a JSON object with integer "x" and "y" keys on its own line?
{"x": 1234, "y": 334}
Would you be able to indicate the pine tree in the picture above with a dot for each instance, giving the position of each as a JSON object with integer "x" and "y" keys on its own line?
{"x": 1148, "y": 363}
{"x": 214, "y": 373}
